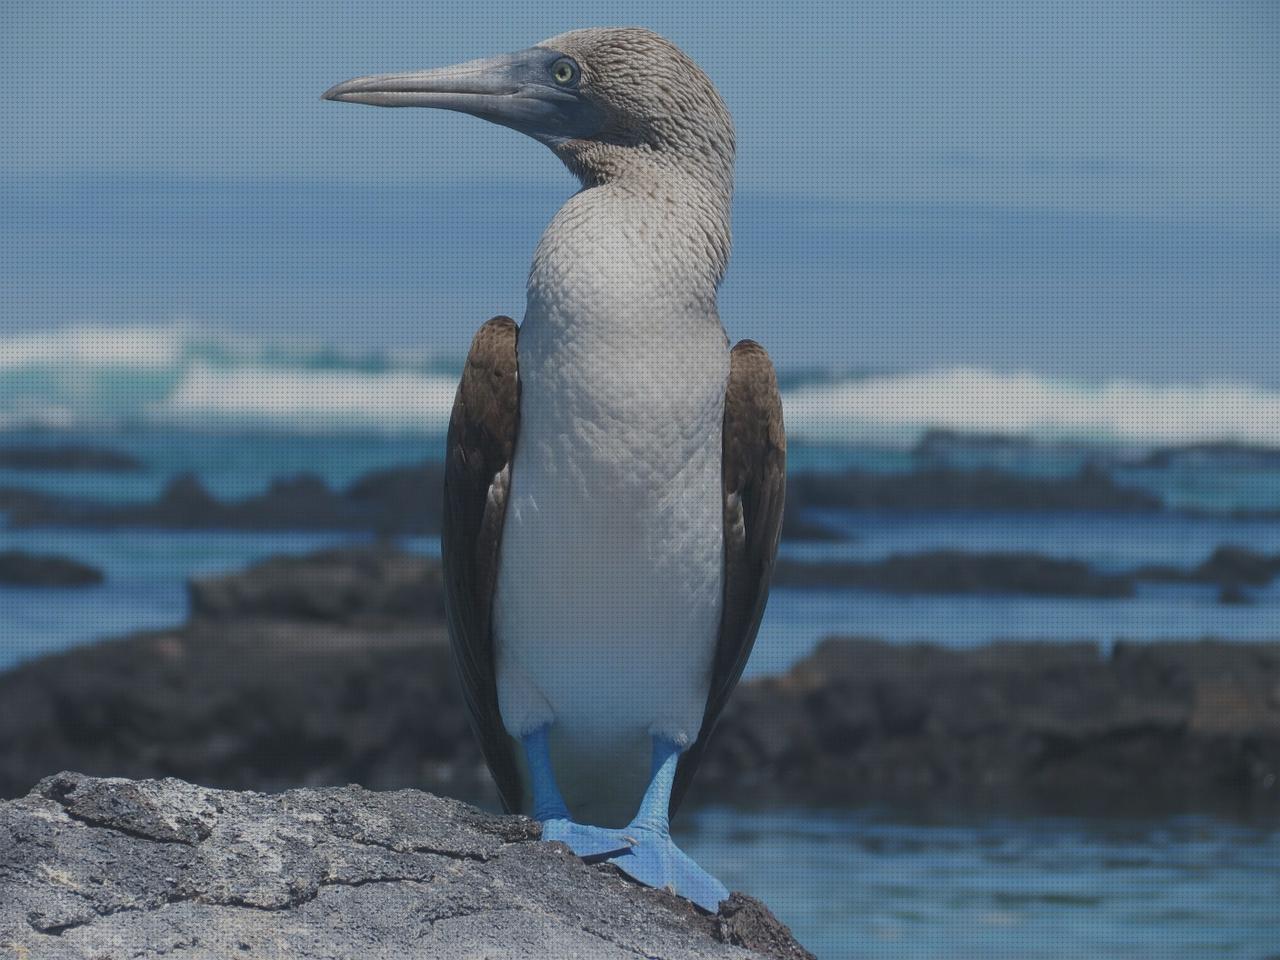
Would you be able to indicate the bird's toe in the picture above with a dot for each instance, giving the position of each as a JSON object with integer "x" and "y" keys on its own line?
{"x": 586, "y": 841}
{"x": 656, "y": 861}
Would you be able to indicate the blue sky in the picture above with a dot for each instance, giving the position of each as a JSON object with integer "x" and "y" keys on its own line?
{"x": 1087, "y": 188}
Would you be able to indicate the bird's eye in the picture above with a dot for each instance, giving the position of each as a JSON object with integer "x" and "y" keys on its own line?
{"x": 564, "y": 72}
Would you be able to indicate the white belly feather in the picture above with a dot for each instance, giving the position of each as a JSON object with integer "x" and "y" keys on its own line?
{"x": 609, "y": 591}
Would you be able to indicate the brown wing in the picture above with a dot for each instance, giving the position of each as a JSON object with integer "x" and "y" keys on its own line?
{"x": 754, "y": 472}
{"x": 477, "y": 479}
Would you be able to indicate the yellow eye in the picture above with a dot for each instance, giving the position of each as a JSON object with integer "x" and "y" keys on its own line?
{"x": 564, "y": 72}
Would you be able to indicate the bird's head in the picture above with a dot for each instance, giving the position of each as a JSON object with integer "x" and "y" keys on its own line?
{"x": 604, "y": 99}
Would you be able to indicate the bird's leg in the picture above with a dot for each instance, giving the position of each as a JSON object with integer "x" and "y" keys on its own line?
{"x": 653, "y": 858}
{"x": 549, "y": 806}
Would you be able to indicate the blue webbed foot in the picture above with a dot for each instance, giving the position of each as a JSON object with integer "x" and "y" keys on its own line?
{"x": 653, "y": 858}
{"x": 589, "y": 843}
{"x": 643, "y": 849}
{"x": 656, "y": 861}
{"x": 548, "y": 806}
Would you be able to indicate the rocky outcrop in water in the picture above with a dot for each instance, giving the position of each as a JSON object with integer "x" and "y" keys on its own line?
{"x": 957, "y": 572}
{"x": 299, "y": 671}
{"x": 116, "y": 868}
{"x": 1148, "y": 728}
{"x": 19, "y": 568}
{"x": 406, "y": 500}
{"x": 68, "y": 458}
{"x": 1227, "y": 566}
{"x": 335, "y": 668}
{"x": 983, "y": 489}
{"x": 373, "y": 586}
{"x": 401, "y": 501}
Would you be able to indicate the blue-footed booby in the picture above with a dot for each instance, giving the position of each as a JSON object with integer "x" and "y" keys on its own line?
{"x": 614, "y": 472}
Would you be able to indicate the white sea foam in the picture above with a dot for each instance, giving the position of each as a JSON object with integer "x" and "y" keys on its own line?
{"x": 310, "y": 400}
{"x": 95, "y": 347}
{"x": 181, "y": 374}
{"x": 899, "y": 408}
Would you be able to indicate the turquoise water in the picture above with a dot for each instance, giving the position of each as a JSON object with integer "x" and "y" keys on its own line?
{"x": 870, "y": 886}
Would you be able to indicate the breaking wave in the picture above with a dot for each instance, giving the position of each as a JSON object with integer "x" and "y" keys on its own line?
{"x": 91, "y": 376}
{"x": 898, "y": 409}
{"x": 106, "y": 376}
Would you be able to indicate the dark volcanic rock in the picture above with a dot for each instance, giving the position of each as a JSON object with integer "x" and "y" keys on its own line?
{"x": 21, "y": 569}
{"x": 1154, "y": 728}
{"x": 341, "y": 586}
{"x": 259, "y": 692}
{"x": 984, "y": 489}
{"x": 1234, "y": 596}
{"x": 956, "y": 571}
{"x": 275, "y": 684}
{"x": 407, "y": 499}
{"x": 1227, "y": 566}
{"x": 404, "y": 500}
{"x": 20, "y": 501}
{"x": 113, "y": 868}
{"x": 401, "y": 499}
{"x": 1237, "y": 565}
{"x": 68, "y": 458}
{"x": 1230, "y": 564}
{"x": 397, "y": 500}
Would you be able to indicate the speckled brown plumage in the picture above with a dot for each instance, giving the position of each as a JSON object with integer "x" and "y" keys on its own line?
{"x": 754, "y": 470}
{"x": 481, "y": 440}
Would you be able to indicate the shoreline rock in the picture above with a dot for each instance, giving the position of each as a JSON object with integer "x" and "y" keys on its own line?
{"x": 93, "y": 867}
{"x": 344, "y": 585}
{"x": 986, "y": 488}
{"x": 1151, "y": 729}
{"x": 401, "y": 501}
{"x": 1228, "y": 566}
{"x": 957, "y": 572}
{"x": 406, "y": 500}
{"x": 68, "y": 458}
{"x": 18, "y": 568}
{"x": 335, "y": 668}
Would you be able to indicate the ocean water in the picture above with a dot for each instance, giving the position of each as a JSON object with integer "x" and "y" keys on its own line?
{"x": 239, "y": 413}
{"x": 870, "y": 885}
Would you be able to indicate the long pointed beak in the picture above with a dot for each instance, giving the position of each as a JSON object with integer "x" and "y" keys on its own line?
{"x": 514, "y": 90}
{"x": 459, "y": 87}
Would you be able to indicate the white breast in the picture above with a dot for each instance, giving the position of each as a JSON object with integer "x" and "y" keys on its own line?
{"x": 609, "y": 592}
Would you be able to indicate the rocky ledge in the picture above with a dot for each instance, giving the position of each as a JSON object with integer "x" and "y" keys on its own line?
{"x": 335, "y": 668}
{"x": 1144, "y": 729}
{"x": 406, "y": 500}
{"x": 116, "y": 868}
{"x": 21, "y": 569}
{"x": 67, "y": 458}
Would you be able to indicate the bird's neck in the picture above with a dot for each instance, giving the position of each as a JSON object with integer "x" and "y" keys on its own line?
{"x": 623, "y": 288}
{"x": 642, "y": 230}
